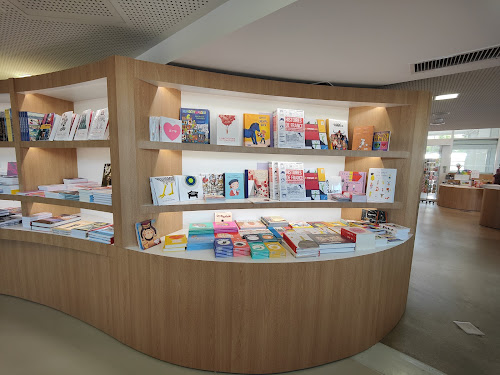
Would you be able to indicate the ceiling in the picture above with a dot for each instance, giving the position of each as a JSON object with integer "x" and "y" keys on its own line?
{"x": 343, "y": 42}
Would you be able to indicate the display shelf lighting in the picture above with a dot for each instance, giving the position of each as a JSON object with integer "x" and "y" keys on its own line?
{"x": 446, "y": 96}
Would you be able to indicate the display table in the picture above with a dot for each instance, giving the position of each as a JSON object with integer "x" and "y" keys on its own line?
{"x": 490, "y": 207}
{"x": 460, "y": 197}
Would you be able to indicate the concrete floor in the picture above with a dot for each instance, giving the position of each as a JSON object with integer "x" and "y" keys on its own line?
{"x": 455, "y": 276}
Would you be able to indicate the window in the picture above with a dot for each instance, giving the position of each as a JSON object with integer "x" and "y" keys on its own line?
{"x": 445, "y": 134}
{"x": 474, "y": 155}
{"x": 433, "y": 152}
{"x": 476, "y": 133}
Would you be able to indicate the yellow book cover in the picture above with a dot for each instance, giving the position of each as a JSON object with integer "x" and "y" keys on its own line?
{"x": 177, "y": 240}
{"x": 362, "y": 138}
{"x": 257, "y": 130}
{"x": 321, "y": 174}
{"x": 321, "y": 125}
{"x": 8, "y": 125}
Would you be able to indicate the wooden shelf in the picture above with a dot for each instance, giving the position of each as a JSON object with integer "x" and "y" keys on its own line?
{"x": 10, "y": 197}
{"x": 64, "y": 202}
{"x": 245, "y": 204}
{"x": 65, "y": 144}
{"x": 6, "y": 144}
{"x": 148, "y": 145}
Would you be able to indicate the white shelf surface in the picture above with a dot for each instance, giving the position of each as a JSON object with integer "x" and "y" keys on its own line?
{"x": 88, "y": 90}
{"x": 209, "y": 256}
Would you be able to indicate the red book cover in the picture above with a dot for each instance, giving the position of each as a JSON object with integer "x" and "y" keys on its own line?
{"x": 289, "y": 242}
{"x": 312, "y": 132}
{"x": 311, "y": 181}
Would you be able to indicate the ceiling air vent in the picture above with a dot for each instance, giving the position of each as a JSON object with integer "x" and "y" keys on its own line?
{"x": 464, "y": 58}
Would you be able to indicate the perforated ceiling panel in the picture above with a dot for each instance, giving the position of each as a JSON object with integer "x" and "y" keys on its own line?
{"x": 478, "y": 103}
{"x": 49, "y": 35}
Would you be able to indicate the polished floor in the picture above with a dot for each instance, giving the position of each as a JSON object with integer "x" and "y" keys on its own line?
{"x": 455, "y": 276}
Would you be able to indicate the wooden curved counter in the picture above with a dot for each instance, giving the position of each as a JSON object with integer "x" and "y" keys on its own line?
{"x": 490, "y": 208}
{"x": 218, "y": 316}
{"x": 460, "y": 197}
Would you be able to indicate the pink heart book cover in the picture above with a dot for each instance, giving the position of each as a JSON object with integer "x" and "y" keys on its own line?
{"x": 170, "y": 130}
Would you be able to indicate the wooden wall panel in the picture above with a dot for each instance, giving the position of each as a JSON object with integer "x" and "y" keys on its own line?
{"x": 43, "y": 104}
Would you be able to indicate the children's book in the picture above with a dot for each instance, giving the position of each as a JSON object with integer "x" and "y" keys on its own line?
{"x": 170, "y": 130}
{"x": 195, "y": 125}
{"x": 175, "y": 242}
{"x": 213, "y": 184}
{"x": 229, "y": 130}
{"x": 273, "y": 180}
{"x": 106, "y": 175}
{"x": 353, "y": 182}
{"x": 190, "y": 188}
{"x": 8, "y": 124}
{"x": 374, "y": 216}
{"x": 163, "y": 190}
{"x": 12, "y": 168}
{"x": 312, "y": 184}
{"x": 337, "y": 134}
{"x": 289, "y": 129}
{"x": 83, "y": 126}
{"x": 55, "y": 126}
{"x": 234, "y": 184}
{"x": 362, "y": 138}
{"x": 248, "y": 224}
{"x": 99, "y": 125}
{"x": 257, "y": 130}
{"x": 74, "y": 125}
{"x": 292, "y": 184}
{"x": 35, "y": 120}
{"x": 312, "y": 136}
{"x": 323, "y": 137}
{"x": 381, "y": 185}
{"x": 260, "y": 183}
{"x": 147, "y": 236}
{"x": 154, "y": 128}
{"x": 381, "y": 141}
{"x": 64, "y": 128}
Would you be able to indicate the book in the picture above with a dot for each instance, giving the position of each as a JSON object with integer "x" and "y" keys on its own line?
{"x": 353, "y": 182}
{"x": 229, "y": 130}
{"x": 260, "y": 183}
{"x": 35, "y": 120}
{"x": 64, "y": 127}
{"x": 170, "y": 130}
{"x": 8, "y": 125}
{"x": 338, "y": 138}
{"x": 323, "y": 137}
{"x": 154, "y": 128}
{"x": 273, "y": 180}
{"x": 106, "y": 175}
{"x": 292, "y": 185}
{"x": 46, "y": 127}
{"x": 396, "y": 230}
{"x": 86, "y": 227}
{"x": 234, "y": 185}
{"x": 54, "y": 221}
{"x": 374, "y": 216}
{"x": 200, "y": 242}
{"x": 363, "y": 238}
{"x": 213, "y": 184}
{"x": 83, "y": 126}
{"x": 301, "y": 244}
{"x": 147, "y": 236}
{"x": 332, "y": 241}
{"x": 249, "y": 224}
{"x": 288, "y": 128}
{"x": 312, "y": 136}
{"x": 256, "y": 130}
{"x": 276, "y": 250}
{"x": 274, "y": 221}
{"x": 312, "y": 184}
{"x": 300, "y": 224}
{"x": 163, "y": 190}
{"x": 381, "y": 185}
{"x": 195, "y": 125}
{"x": 175, "y": 242}
{"x": 74, "y": 124}
{"x": 190, "y": 188}
{"x": 201, "y": 228}
{"x": 381, "y": 141}
{"x": 11, "y": 168}
{"x": 99, "y": 125}
{"x": 258, "y": 250}
{"x": 222, "y": 217}
{"x": 55, "y": 126}
{"x": 225, "y": 227}
{"x": 362, "y": 138}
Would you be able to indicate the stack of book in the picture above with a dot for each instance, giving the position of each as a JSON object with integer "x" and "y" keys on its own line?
{"x": 9, "y": 184}
{"x": 47, "y": 224}
{"x": 63, "y": 194}
{"x": 225, "y": 227}
{"x": 396, "y": 230}
{"x": 301, "y": 244}
{"x": 200, "y": 236}
{"x": 10, "y": 216}
{"x": 332, "y": 243}
{"x": 274, "y": 221}
{"x": 103, "y": 235}
{"x": 85, "y": 195}
{"x": 363, "y": 238}
{"x": 65, "y": 229}
{"x": 276, "y": 250}
{"x": 240, "y": 247}
{"x": 103, "y": 196}
{"x": 26, "y": 220}
{"x": 86, "y": 227}
{"x": 300, "y": 224}
{"x": 278, "y": 231}
{"x": 176, "y": 242}
{"x": 249, "y": 225}
{"x": 258, "y": 250}
{"x": 223, "y": 247}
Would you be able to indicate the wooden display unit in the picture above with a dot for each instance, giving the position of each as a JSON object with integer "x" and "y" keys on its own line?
{"x": 217, "y": 316}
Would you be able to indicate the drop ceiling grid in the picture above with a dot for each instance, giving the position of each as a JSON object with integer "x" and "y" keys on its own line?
{"x": 478, "y": 103}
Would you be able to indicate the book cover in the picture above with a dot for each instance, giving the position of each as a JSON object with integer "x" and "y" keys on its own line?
{"x": 163, "y": 190}
{"x": 312, "y": 184}
{"x": 154, "y": 128}
{"x": 353, "y": 182}
{"x": 331, "y": 240}
{"x": 225, "y": 227}
{"x": 190, "y": 188}
{"x": 74, "y": 124}
{"x": 229, "y": 130}
{"x": 64, "y": 128}
{"x": 323, "y": 137}
{"x": 234, "y": 185}
{"x": 273, "y": 180}
{"x": 289, "y": 129}
{"x": 374, "y": 216}
{"x": 106, "y": 175}
{"x": 362, "y": 138}
{"x": 35, "y": 120}
{"x": 213, "y": 184}
{"x": 312, "y": 139}
{"x": 55, "y": 126}
{"x": 83, "y": 126}
{"x": 12, "y": 168}
{"x": 99, "y": 125}
{"x": 46, "y": 127}
{"x": 147, "y": 236}
{"x": 381, "y": 185}
{"x": 337, "y": 134}
{"x": 170, "y": 130}
{"x": 381, "y": 141}
{"x": 175, "y": 241}
{"x": 8, "y": 125}
{"x": 300, "y": 224}
{"x": 249, "y": 224}
{"x": 256, "y": 130}
{"x": 292, "y": 185}
{"x": 260, "y": 180}
{"x": 195, "y": 125}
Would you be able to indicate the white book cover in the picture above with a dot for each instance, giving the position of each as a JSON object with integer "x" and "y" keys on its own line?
{"x": 164, "y": 190}
{"x": 289, "y": 129}
{"x": 82, "y": 129}
{"x": 64, "y": 128}
{"x": 292, "y": 184}
{"x": 276, "y": 182}
{"x": 170, "y": 130}
{"x": 381, "y": 185}
{"x": 154, "y": 128}
{"x": 190, "y": 188}
{"x": 337, "y": 134}
{"x": 99, "y": 125}
{"x": 74, "y": 125}
{"x": 229, "y": 130}
{"x": 55, "y": 126}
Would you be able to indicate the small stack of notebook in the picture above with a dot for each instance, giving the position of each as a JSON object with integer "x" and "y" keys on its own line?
{"x": 276, "y": 250}
{"x": 201, "y": 236}
{"x": 240, "y": 247}
{"x": 176, "y": 242}
{"x": 223, "y": 247}
{"x": 258, "y": 250}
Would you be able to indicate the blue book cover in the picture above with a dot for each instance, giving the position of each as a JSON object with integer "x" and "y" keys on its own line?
{"x": 234, "y": 185}
{"x": 195, "y": 125}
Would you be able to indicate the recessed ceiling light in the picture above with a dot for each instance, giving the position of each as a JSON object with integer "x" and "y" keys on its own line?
{"x": 446, "y": 96}
{"x": 439, "y": 114}
{"x": 438, "y": 121}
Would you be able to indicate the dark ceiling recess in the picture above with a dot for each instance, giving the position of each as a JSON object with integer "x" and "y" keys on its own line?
{"x": 464, "y": 58}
